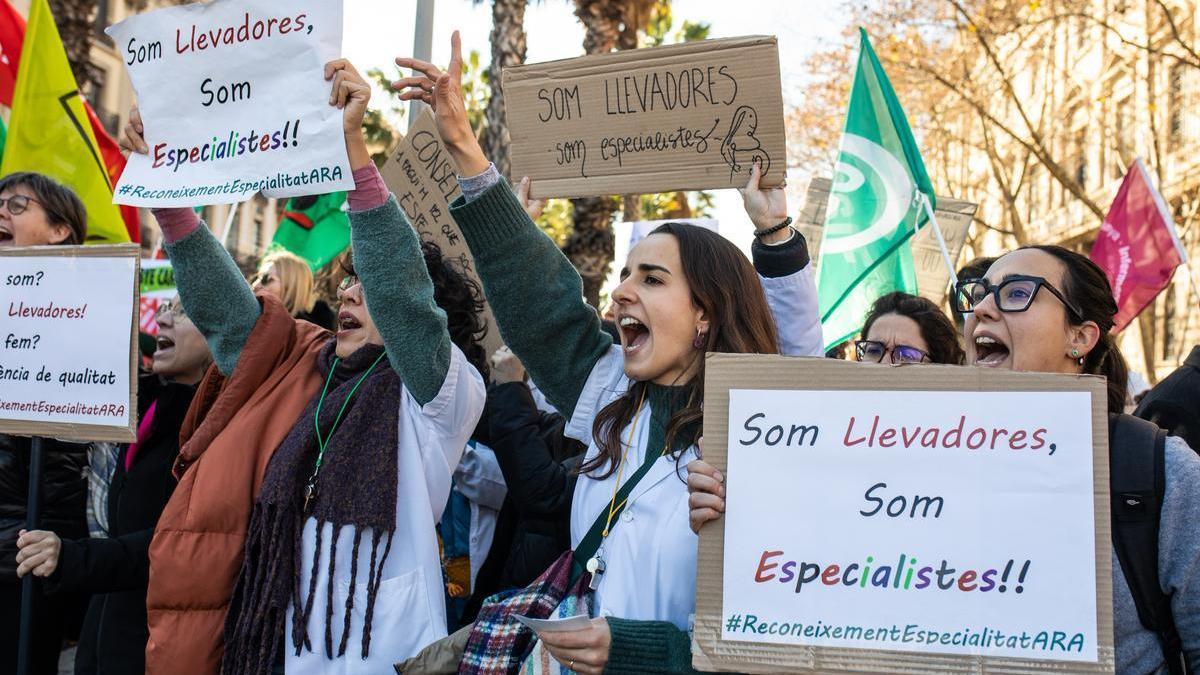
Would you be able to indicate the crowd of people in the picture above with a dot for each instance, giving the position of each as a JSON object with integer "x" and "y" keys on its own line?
{"x": 313, "y": 491}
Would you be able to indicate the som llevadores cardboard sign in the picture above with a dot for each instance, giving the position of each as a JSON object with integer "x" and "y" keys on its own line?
{"x": 67, "y": 347}
{"x": 692, "y": 116}
{"x": 928, "y": 518}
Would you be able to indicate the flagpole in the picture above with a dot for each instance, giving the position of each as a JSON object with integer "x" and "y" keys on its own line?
{"x": 937, "y": 232}
{"x": 229, "y": 225}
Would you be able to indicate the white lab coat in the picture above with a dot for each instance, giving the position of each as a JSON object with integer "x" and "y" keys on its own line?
{"x": 479, "y": 479}
{"x": 650, "y": 553}
{"x": 794, "y": 306}
{"x": 410, "y": 609}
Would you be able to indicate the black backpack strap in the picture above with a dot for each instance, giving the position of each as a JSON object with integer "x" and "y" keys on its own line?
{"x": 1137, "y": 467}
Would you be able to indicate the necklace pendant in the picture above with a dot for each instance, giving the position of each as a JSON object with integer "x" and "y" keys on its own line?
{"x": 310, "y": 493}
{"x": 596, "y": 567}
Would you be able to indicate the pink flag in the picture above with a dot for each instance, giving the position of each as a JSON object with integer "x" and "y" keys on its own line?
{"x": 1137, "y": 246}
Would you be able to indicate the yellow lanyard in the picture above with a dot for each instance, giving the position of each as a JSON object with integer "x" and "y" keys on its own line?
{"x": 612, "y": 505}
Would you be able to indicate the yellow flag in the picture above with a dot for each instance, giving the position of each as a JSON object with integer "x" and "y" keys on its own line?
{"x": 49, "y": 130}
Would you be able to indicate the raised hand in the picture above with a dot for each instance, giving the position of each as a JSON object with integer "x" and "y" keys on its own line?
{"x": 350, "y": 93}
{"x": 766, "y": 207}
{"x": 131, "y": 139}
{"x": 442, "y": 91}
{"x": 506, "y": 367}
{"x": 533, "y": 207}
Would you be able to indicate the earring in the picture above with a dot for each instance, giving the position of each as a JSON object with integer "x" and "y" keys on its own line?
{"x": 698, "y": 341}
{"x": 1075, "y": 355}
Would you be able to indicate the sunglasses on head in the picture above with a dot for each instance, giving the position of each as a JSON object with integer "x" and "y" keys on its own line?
{"x": 873, "y": 351}
{"x": 1015, "y": 293}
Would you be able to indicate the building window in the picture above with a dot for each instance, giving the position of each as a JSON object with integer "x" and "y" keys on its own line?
{"x": 1175, "y": 104}
{"x": 1169, "y": 328}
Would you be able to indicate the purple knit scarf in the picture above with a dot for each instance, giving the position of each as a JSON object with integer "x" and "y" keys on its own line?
{"x": 356, "y": 486}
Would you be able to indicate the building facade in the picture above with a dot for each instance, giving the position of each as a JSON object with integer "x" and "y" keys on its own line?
{"x": 1094, "y": 84}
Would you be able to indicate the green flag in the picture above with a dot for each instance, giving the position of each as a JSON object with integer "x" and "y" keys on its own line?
{"x": 315, "y": 228}
{"x": 874, "y": 206}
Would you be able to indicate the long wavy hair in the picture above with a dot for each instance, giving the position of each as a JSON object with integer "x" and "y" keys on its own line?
{"x": 725, "y": 286}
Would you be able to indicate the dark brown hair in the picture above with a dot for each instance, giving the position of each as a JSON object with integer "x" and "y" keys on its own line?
{"x": 1086, "y": 287}
{"x": 935, "y": 326}
{"x": 724, "y": 284}
{"x": 459, "y": 297}
{"x": 61, "y": 204}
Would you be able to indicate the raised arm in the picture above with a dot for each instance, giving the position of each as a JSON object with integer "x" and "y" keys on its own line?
{"x": 387, "y": 255}
{"x": 214, "y": 293}
{"x": 535, "y": 293}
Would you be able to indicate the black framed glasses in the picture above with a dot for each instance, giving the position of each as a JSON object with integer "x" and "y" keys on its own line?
{"x": 873, "y": 351}
{"x": 175, "y": 309}
{"x": 1014, "y": 294}
{"x": 349, "y": 281}
{"x": 17, "y": 204}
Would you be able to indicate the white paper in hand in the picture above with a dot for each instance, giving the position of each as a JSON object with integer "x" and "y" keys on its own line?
{"x": 577, "y": 622}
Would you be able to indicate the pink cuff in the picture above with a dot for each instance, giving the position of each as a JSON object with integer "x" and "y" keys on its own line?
{"x": 369, "y": 189}
{"x": 176, "y": 223}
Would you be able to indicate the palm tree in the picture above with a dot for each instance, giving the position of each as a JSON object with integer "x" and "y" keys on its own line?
{"x": 608, "y": 25}
{"x": 508, "y": 49}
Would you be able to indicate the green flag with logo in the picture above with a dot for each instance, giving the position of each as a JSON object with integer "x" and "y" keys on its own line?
{"x": 874, "y": 205}
{"x": 315, "y": 228}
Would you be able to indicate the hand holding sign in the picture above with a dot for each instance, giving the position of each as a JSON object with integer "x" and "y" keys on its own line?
{"x": 442, "y": 91}
{"x": 351, "y": 93}
{"x": 767, "y": 207}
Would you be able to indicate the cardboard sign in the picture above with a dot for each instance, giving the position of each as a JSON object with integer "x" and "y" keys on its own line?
{"x": 68, "y": 346}
{"x": 933, "y": 279}
{"x": 884, "y": 519}
{"x": 234, "y": 101}
{"x": 692, "y": 116}
{"x": 424, "y": 179}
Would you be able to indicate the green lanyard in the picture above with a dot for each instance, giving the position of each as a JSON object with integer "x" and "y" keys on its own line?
{"x": 310, "y": 490}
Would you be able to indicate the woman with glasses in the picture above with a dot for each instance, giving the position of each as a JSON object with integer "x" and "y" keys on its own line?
{"x": 114, "y": 568}
{"x": 39, "y": 211}
{"x": 36, "y": 210}
{"x": 288, "y": 277}
{"x": 314, "y": 468}
{"x": 903, "y": 328}
{"x": 1048, "y": 309}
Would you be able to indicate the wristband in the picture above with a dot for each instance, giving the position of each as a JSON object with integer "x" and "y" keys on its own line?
{"x": 759, "y": 234}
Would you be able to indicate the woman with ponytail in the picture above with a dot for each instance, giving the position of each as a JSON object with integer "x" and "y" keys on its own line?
{"x": 1048, "y": 309}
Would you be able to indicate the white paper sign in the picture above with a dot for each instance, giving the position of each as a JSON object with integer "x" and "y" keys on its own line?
{"x": 571, "y": 623}
{"x": 234, "y": 101}
{"x": 944, "y": 522}
{"x": 65, "y": 340}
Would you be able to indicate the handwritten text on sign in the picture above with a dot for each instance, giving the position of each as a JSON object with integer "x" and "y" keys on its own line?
{"x": 65, "y": 341}
{"x": 234, "y": 101}
{"x": 947, "y": 522}
{"x": 424, "y": 179}
{"x": 683, "y": 117}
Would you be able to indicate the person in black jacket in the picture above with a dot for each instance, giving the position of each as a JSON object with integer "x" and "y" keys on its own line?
{"x": 36, "y": 210}
{"x": 1174, "y": 404}
{"x": 116, "y": 568}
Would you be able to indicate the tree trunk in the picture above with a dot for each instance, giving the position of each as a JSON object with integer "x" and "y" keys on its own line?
{"x": 76, "y": 21}
{"x": 508, "y": 49}
{"x": 590, "y": 247}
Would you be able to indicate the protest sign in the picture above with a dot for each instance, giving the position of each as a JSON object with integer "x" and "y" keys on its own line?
{"x": 883, "y": 519}
{"x": 234, "y": 101}
{"x": 933, "y": 278}
{"x": 420, "y": 172}
{"x": 691, "y": 116}
{"x": 67, "y": 357}
{"x": 157, "y": 286}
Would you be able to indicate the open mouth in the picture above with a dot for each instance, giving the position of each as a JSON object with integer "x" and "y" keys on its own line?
{"x": 6, "y": 237}
{"x": 634, "y": 334}
{"x": 346, "y": 321}
{"x": 163, "y": 342}
{"x": 990, "y": 351}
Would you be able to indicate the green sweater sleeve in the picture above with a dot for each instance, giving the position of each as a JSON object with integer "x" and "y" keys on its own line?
{"x": 535, "y": 294}
{"x": 648, "y": 647}
{"x": 215, "y": 295}
{"x": 399, "y": 292}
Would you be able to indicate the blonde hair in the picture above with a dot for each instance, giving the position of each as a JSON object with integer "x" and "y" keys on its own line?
{"x": 296, "y": 279}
